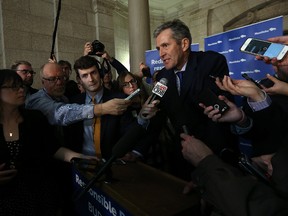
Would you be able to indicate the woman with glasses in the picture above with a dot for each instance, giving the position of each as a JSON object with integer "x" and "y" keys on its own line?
{"x": 128, "y": 83}
{"x": 28, "y": 185}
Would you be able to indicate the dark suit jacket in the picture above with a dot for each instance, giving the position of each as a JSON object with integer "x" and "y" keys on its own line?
{"x": 269, "y": 126}
{"x": 184, "y": 109}
{"x": 110, "y": 131}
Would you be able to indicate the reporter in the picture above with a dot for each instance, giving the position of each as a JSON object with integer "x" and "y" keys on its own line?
{"x": 128, "y": 83}
{"x": 28, "y": 182}
{"x": 231, "y": 192}
{"x": 51, "y": 100}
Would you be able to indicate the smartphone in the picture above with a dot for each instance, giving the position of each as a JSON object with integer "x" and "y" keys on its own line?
{"x": 244, "y": 75}
{"x": 85, "y": 164}
{"x": 246, "y": 164}
{"x": 266, "y": 82}
{"x": 209, "y": 98}
{"x": 264, "y": 48}
{"x": 136, "y": 92}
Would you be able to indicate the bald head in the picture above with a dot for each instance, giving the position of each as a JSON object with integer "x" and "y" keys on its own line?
{"x": 50, "y": 69}
{"x": 53, "y": 79}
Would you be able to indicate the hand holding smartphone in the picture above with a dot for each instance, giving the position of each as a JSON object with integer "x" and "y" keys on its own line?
{"x": 246, "y": 164}
{"x": 264, "y": 48}
{"x": 209, "y": 98}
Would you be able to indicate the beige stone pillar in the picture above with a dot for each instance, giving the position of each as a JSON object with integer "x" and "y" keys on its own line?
{"x": 104, "y": 24}
{"x": 139, "y": 32}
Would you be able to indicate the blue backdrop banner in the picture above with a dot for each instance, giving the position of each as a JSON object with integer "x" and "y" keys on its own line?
{"x": 229, "y": 43}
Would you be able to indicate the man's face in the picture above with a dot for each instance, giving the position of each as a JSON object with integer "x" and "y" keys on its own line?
{"x": 54, "y": 79}
{"x": 26, "y": 73}
{"x": 66, "y": 70}
{"x": 171, "y": 53}
{"x": 90, "y": 79}
{"x": 107, "y": 77}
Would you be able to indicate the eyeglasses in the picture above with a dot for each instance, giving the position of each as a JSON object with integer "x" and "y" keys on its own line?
{"x": 13, "y": 88}
{"x": 25, "y": 72}
{"x": 55, "y": 79}
{"x": 127, "y": 84}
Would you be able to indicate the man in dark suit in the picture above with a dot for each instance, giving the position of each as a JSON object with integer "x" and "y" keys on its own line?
{"x": 80, "y": 135}
{"x": 181, "y": 100}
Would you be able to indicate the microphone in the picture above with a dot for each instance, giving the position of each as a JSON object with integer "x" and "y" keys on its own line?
{"x": 159, "y": 89}
{"x": 125, "y": 144}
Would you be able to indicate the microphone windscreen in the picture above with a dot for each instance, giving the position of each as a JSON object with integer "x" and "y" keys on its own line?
{"x": 164, "y": 81}
{"x": 160, "y": 88}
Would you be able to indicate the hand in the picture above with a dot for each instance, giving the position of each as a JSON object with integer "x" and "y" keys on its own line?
{"x": 264, "y": 162}
{"x": 6, "y": 175}
{"x": 149, "y": 110}
{"x": 115, "y": 106}
{"x": 88, "y": 157}
{"x": 104, "y": 55}
{"x": 232, "y": 115}
{"x": 279, "y": 66}
{"x": 131, "y": 157}
{"x": 279, "y": 86}
{"x": 194, "y": 150}
{"x": 189, "y": 187}
{"x": 87, "y": 48}
{"x": 241, "y": 87}
{"x": 53, "y": 60}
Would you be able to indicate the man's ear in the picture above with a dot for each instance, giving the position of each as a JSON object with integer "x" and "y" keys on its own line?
{"x": 185, "y": 44}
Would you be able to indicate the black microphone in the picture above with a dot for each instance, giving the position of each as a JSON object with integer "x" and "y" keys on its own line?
{"x": 125, "y": 144}
{"x": 159, "y": 89}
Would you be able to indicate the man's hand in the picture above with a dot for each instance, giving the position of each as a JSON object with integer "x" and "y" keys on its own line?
{"x": 87, "y": 48}
{"x": 149, "y": 110}
{"x": 279, "y": 86}
{"x": 274, "y": 61}
{"x": 53, "y": 60}
{"x": 232, "y": 115}
{"x": 280, "y": 66}
{"x": 241, "y": 87}
{"x": 105, "y": 55}
{"x": 115, "y": 106}
{"x": 194, "y": 150}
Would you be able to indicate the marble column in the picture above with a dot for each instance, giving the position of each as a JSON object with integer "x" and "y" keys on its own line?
{"x": 139, "y": 32}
